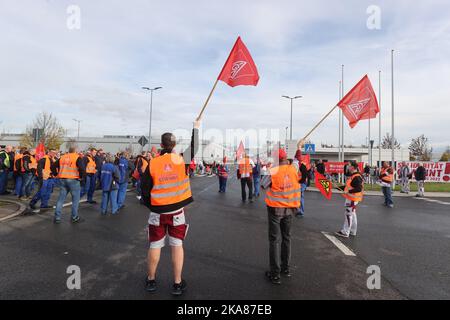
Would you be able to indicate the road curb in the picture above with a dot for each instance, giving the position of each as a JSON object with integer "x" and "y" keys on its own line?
{"x": 396, "y": 194}
{"x": 22, "y": 209}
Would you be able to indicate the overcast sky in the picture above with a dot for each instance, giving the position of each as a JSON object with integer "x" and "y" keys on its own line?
{"x": 95, "y": 73}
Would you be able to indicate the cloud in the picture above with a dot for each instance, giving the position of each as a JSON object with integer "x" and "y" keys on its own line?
{"x": 95, "y": 73}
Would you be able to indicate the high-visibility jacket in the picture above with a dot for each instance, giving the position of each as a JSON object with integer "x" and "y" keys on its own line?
{"x": 7, "y": 160}
{"x": 47, "y": 169}
{"x": 386, "y": 176}
{"x": 144, "y": 164}
{"x": 245, "y": 168}
{"x": 68, "y": 166}
{"x": 356, "y": 197}
{"x": 33, "y": 164}
{"x": 170, "y": 182}
{"x": 222, "y": 171}
{"x": 285, "y": 191}
{"x": 17, "y": 159}
{"x": 22, "y": 167}
{"x": 91, "y": 167}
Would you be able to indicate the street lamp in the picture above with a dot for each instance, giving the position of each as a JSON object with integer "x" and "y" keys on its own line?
{"x": 151, "y": 109}
{"x": 78, "y": 136}
{"x": 292, "y": 99}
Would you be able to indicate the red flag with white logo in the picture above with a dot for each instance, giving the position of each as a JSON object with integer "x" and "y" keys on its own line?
{"x": 360, "y": 103}
{"x": 240, "y": 151}
{"x": 324, "y": 185}
{"x": 239, "y": 69}
{"x": 40, "y": 151}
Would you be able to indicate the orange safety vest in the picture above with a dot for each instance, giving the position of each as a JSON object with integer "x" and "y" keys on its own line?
{"x": 47, "y": 171}
{"x": 285, "y": 191}
{"x": 245, "y": 167}
{"x": 91, "y": 167}
{"x": 170, "y": 182}
{"x": 17, "y": 157}
{"x": 389, "y": 178}
{"x": 68, "y": 166}
{"x": 356, "y": 197}
{"x": 144, "y": 164}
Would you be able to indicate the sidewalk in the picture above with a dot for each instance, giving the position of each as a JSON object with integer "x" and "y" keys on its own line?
{"x": 10, "y": 208}
{"x": 395, "y": 194}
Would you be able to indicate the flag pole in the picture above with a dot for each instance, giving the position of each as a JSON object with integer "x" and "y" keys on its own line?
{"x": 315, "y": 127}
{"x": 207, "y": 100}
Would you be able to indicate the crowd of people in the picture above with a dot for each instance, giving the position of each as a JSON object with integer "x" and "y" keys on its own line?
{"x": 162, "y": 184}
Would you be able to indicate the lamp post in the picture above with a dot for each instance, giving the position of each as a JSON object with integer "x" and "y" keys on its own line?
{"x": 292, "y": 99}
{"x": 151, "y": 110}
{"x": 286, "y": 133}
{"x": 78, "y": 135}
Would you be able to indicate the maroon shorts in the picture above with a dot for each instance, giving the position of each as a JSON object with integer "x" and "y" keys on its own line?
{"x": 159, "y": 225}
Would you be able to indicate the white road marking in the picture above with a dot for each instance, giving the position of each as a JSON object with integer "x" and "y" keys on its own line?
{"x": 434, "y": 201}
{"x": 339, "y": 244}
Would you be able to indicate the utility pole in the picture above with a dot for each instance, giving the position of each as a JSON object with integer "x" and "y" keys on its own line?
{"x": 151, "y": 111}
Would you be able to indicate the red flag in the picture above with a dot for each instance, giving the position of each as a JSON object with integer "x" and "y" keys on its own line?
{"x": 324, "y": 185}
{"x": 40, "y": 151}
{"x": 360, "y": 103}
{"x": 240, "y": 151}
{"x": 239, "y": 69}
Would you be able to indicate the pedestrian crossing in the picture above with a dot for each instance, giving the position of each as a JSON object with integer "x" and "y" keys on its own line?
{"x": 434, "y": 201}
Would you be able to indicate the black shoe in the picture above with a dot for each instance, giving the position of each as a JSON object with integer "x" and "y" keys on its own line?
{"x": 272, "y": 278}
{"x": 286, "y": 273}
{"x": 178, "y": 288}
{"x": 92, "y": 202}
{"x": 251, "y": 200}
{"x": 47, "y": 207}
{"x": 77, "y": 220}
{"x": 32, "y": 206}
{"x": 150, "y": 285}
{"x": 56, "y": 221}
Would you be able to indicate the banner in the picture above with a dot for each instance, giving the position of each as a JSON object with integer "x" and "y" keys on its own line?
{"x": 436, "y": 171}
{"x": 338, "y": 167}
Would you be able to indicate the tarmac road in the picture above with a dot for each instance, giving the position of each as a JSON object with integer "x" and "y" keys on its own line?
{"x": 227, "y": 251}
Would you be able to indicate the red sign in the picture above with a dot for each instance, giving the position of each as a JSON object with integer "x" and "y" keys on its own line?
{"x": 436, "y": 171}
{"x": 338, "y": 167}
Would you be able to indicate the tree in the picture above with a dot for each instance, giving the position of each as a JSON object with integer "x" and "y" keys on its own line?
{"x": 53, "y": 132}
{"x": 387, "y": 142}
{"x": 420, "y": 149}
{"x": 446, "y": 155}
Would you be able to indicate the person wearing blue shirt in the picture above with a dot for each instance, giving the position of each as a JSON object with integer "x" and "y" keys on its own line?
{"x": 257, "y": 177}
{"x": 109, "y": 181}
{"x": 123, "y": 164}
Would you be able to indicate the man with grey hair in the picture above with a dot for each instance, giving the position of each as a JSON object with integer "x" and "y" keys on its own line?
{"x": 405, "y": 174}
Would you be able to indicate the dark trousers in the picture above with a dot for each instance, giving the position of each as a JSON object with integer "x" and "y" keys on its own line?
{"x": 249, "y": 183}
{"x": 279, "y": 242}
{"x": 222, "y": 184}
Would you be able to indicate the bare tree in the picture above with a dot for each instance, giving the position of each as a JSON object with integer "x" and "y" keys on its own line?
{"x": 53, "y": 131}
{"x": 388, "y": 142}
{"x": 445, "y": 155}
{"x": 420, "y": 149}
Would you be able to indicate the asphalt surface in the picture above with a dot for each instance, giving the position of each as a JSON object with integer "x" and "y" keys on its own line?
{"x": 227, "y": 251}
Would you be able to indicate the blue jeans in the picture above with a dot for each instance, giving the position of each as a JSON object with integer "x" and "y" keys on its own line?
{"x": 89, "y": 187}
{"x": 3, "y": 181}
{"x": 18, "y": 186}
{"x": 44, "y": 193}
{"x": 72, "y": 186}
{"x": 256, "y": 184}
{"x": 301, "y": 210}
{"x": 223, "y": 184}
{"x": 122, "y": 193}
{"x": 109, "y": 197}
{"x": 27, "y": 184}
{"x": 387, "y": 192}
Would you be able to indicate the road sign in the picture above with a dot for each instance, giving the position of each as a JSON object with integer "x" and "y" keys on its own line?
{"x": 310, "y": 148}
{"x": 143, "y": 141}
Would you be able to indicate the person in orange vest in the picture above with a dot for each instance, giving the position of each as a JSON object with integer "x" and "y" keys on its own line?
{"x": 28, "y": 167}
{"x": 282, "y": 200}
{"x": 91, "y": 170}
{"x": 70, "y": 171}
{"x": 166, "y": 191}
{"x": 45, "y": 179}
{"x": 353, "y": 194}
{"x": 222, "y": 172}
{"x": 245, "y": 170}
{"x": 386, "y": 179}
{"x": 17, "y": 169}
{"x": 140, "y": 165}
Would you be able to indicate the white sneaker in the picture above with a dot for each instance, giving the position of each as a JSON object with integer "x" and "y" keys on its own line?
{"x": 139, "y": 197}
{"x": 341, "y": 234}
